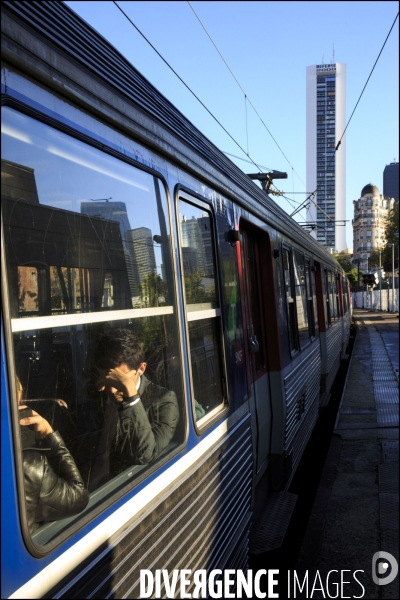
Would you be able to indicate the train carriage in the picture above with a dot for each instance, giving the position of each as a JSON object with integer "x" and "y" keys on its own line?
{"x": 118, "y": 214}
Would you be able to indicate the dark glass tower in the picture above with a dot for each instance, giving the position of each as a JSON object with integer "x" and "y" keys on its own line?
{"x": 391, "y": 180}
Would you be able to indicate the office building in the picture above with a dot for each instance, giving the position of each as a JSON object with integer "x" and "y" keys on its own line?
{"x": 205, "y": 232}
{"x": 326, "y": 169}
{"x": 115, "y": 211}
{"x": 370, "y": 212}
{"x": 192, "y": 238}
{"x": 142, "y": 251}
{"x": 391, "y": 181}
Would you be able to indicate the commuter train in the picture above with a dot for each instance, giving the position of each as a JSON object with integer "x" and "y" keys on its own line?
{"x": 117, "y": 213}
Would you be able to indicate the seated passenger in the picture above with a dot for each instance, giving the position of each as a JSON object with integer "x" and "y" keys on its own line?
{"x": 140, "y": 417}
{"x": 53, "y": 485}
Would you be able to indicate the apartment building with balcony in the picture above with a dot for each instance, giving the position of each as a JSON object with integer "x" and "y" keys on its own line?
{"x": 326, "y": 168}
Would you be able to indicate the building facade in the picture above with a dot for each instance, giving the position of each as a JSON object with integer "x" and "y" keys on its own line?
{"x": 326, "y": 169}
{"x": 391, "y": 181}
{"x": 370, "y": 212}
{"x": 192, "y": 238}
{"x": 115, "y": 211}
{"x": 142, "y": 251}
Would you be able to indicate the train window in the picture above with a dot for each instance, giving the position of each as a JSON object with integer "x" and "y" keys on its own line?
{"x": 345, "y": 297}
{"x": 337, "y": 288}
{"x": 335, "y": 294}
{"x": 310, "y": 296}
{"x": 203, "y": 311}
{"x": 301, "y": 298}
{"x": 332, "y": 295}
{"x": 290, "y": 298}
{"x": 326, "y": 290}
{"x": 93, "y": 315}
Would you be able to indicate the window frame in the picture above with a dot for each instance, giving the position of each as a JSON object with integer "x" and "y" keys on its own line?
{"x": 293, "y": 351}
{"x": 311, "y": 300}
{"x": 196, "y": 200}
{"x": 301, "y": 253}
{"x": 77, "y": 132}
{"x": 325, "y": 284}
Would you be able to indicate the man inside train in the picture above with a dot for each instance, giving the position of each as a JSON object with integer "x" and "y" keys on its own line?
{"x": 139, "y": 417}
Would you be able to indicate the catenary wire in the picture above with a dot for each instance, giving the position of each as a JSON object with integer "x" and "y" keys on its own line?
{"x": 248, "y": 161}
{"x": 182, "y": 81}
{"x": 351, "y": 116}
{"x": 191, "y": 91}
{"x": 366, "y": 83}
{"x": 245, "y": 95}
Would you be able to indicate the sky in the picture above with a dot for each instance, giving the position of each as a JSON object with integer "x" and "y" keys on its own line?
{"x": 268, "y": 46}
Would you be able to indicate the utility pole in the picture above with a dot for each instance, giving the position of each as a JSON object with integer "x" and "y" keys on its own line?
{"x": 380, "y": 281}
{"x": 398, "y": 266}
{"x": 392, "y": 246}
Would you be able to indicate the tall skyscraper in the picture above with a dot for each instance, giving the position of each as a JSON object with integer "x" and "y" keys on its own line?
{"x": 326, "y": 169}
{"x": 142, "y": 250}
{"x": 391, "y": 181}
{"x": 115, "y": 211}
{"x": 192, "y": 238}
{"x": 205, "y": 232}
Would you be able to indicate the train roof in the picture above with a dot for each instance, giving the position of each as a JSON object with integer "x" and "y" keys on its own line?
{"x": 61, "y": 27}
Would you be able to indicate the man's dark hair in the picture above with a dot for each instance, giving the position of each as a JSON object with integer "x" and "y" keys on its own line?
{"x": 118, "y": 346}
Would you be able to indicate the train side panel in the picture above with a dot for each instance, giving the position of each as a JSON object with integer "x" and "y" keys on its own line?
{"x": 237, "y": 307}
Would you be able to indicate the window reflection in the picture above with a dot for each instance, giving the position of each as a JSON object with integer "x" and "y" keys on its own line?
{"x": 288, "y": 272}
{"x": 95, "y": 213}
{"x": 301, "y": 297}
{"x": 88, "y": 254}
{"x": 202, "y": 309}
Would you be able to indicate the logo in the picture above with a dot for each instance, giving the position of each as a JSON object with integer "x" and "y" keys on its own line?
{"x": 384, "y": 568}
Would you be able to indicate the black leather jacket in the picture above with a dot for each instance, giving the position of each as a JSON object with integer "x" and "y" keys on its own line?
{"x": 53, "y": 485}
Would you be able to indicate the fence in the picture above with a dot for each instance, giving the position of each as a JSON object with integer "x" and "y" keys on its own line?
{"x": 375, "y": 300}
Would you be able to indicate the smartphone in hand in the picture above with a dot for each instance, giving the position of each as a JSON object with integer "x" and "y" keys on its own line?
{"x": 28, "y": 436}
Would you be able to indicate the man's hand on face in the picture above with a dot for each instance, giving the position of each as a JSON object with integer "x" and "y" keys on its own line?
{"x": 119, "y": 382}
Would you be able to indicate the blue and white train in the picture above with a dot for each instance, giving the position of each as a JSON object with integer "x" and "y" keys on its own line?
{"x": 117, "y": 212}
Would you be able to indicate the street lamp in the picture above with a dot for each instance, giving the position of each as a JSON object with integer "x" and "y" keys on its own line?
{"x": 392, "y": 247}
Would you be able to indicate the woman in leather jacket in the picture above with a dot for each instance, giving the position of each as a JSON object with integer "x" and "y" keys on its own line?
{"x": 54, "y": 488}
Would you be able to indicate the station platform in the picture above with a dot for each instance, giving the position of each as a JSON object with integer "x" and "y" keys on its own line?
{"x": 355, "y": 512}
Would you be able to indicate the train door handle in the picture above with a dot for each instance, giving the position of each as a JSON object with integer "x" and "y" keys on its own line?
{"x": 254, "y": 345}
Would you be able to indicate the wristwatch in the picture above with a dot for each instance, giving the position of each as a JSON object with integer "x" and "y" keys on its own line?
{"x": 130, "y": 401}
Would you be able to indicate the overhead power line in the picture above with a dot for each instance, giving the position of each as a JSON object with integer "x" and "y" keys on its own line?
{"x": 192, "y": 92}
{"x": 244, "y": 93}
{"x": 366, "y": 83}
{"x": 351, "y": 116}
{"x": 248, "y": 161}
{"x": 184, "y": 83}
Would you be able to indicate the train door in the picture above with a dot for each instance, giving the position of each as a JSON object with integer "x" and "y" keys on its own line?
{"x": 254, "y": 302}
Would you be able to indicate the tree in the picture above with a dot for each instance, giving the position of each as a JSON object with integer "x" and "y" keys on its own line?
{"x": 196, "y": 291}
{"x": 352, "y": 276}
{"x": 153, "y": 291}
{"x": 350, "y": 270}
{"x": 392, "y": 227}
{"x": 374, "y": 258}
{"x": 344, "y": 262}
